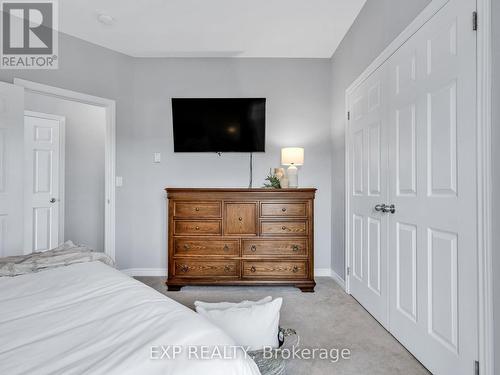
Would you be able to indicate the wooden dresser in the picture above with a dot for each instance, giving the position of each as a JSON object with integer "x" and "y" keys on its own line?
{"x": 240, "y": 237}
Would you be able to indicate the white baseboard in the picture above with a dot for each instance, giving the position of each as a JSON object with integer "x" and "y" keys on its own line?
{"x": 335, "y": 276}
{"x": 162, "y": 272}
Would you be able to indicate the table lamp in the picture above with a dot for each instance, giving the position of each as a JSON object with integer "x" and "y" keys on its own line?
{"x": 292, "y": 156}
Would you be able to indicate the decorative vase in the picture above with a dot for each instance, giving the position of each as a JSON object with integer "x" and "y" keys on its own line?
{"x": 280, "y": 174}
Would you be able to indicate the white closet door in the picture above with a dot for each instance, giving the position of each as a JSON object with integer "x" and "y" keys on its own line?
{"x": 11, "y": 169}
{"x": 432, "y": 235}
{"x": 367, "y": 236}
{"x": 42, "y": 182}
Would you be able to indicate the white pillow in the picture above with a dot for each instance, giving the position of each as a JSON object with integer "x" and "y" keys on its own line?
{"x": 227, "y": 305}
{"x": 254, "y": 327}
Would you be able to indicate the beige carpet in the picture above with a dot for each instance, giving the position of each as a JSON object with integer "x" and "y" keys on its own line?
{"x": 328, "y": 318}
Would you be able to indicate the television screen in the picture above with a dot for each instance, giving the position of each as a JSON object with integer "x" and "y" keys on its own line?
{"x": 219, "y": 124}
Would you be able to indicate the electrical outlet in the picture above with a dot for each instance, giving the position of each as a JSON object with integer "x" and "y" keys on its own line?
{"x": 156, "y": 157}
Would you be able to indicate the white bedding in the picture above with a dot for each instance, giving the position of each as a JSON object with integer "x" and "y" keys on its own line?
{"x": 90, "y": 318}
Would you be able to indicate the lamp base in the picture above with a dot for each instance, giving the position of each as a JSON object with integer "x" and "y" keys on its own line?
{"x": 293, "y": 178}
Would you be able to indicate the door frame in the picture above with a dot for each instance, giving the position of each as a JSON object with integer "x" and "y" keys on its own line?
{"x": 110, "y": 148}
{"x": 483, "y": 164}
{"x": 27, "y": 189}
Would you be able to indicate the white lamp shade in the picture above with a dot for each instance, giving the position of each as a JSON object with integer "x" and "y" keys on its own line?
{"x": 292, "y": 156}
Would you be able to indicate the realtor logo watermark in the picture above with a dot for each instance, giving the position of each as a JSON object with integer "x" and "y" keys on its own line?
{"x": 206, "y": 352}
{"x": 29, "y": 34}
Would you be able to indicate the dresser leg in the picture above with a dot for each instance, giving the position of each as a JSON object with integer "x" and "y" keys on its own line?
{"x": 306, "y": 288}
{"x": 174, "y": 288}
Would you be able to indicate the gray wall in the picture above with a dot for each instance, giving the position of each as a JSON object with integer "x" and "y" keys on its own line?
{"x": 378, "y": 23}
{"x": 496, "y": 177}
{"x": 297, "y": 93}
{"x": 85, "y": 132}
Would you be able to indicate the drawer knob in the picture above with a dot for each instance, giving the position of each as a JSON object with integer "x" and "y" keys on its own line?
{"x": 253, "y": 248}
{"x": 197, "y": 227}
{"x": 226, "y": 248}
{"x": 295, "y": 269}
{"x": 295, "y": 247}
{"x": 240, "y": 218}
{"x": 197, "y": 209}
{"x": 227, "y": 268}
{"x": 283, "y": 228}
{"x": 186, "y": 247}
{"x": 253, "y": 269}
{"x": 283, "y": 209}
{"x": 184, "y": 268}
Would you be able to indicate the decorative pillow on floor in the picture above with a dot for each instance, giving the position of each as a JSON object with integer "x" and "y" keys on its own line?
{"x": 227, "y": 305}
{"x": 255, "y": 327}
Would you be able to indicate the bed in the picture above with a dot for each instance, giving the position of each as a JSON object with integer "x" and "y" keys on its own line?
{"x": 90, "y": 318}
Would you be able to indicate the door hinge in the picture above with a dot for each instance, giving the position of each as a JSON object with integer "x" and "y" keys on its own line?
{"x": 474, "y": 21}
{"x": 348, "y": 271}
{"x": 476, "y": 367}
{"x": 348, "y": 115}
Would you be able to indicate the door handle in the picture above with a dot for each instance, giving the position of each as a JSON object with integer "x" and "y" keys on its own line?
{"x": 385, "y": 208}
{"x": 52, "y": 200}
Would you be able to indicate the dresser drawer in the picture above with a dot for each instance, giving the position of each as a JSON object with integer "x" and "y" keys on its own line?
{"x": 284, "y": 228}
{"x": 240, "y": 219}
{"x": 206, "y": 268}
{"x": 275, "y": 248}
{"x": 197, "y": 228}
{"x": 197, "y": 209}
{"x": 272, "y": 269}
{"x": 283, "y": 209}
{"x": 186, "y": 247}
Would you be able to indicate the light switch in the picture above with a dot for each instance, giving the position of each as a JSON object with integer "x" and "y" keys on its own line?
{"x": 119, "y": 181}
{"x": 156, "y": 157}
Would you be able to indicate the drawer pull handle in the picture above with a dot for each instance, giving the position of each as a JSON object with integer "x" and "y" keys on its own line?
{"x": 253, "y": 269}
{"x": 240, "y": 218}
{"x": 283, "y": 228}
{"x": 295, "y": 247}
{"x": 186, "y": 247}
{"x": 197, "y": 227}
{"x": 226, "y": 248}
{"x": 253, "y": 248}
{"x": 184, "y": 268}
{"x": 283, "y": 209}
{"x": 227, "y": 268}
{"x": 197, "y": 209}
{"x": 295, "y": 269}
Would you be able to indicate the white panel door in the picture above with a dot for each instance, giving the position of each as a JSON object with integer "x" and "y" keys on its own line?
{"x": 432, "y": 235}
{"x": 367, "y": 236}
{"x": 42, "y": 182}
{"x": 11, "y": 169}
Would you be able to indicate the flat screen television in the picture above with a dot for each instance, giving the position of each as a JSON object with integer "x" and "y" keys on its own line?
{"x": 219, "y": 124}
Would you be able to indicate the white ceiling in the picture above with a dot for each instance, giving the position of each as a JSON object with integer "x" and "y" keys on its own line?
{"x": 212, "y": 28}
